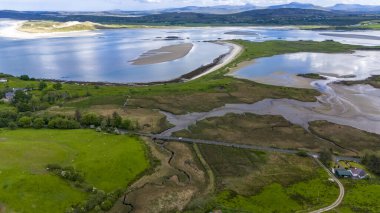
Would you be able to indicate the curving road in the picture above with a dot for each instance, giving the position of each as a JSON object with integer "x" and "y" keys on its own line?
{"x": 259, "y": 148}
{"x": 341, "y": 191}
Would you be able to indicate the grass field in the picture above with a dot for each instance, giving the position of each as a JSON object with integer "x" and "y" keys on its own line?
{"x": 261, "y": 130}
{"x": 346, "y": 136}
{"x": 250, "y": 181}
{"x": 361, "y": 196}
{"x": 108, "y": 162}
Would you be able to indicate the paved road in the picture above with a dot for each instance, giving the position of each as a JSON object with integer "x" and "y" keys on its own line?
{"x": 341, "y": 191}
{"x": 219, "y": 143}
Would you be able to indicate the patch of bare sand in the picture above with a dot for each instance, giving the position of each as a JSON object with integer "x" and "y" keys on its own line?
{"x": 164, "y": 54}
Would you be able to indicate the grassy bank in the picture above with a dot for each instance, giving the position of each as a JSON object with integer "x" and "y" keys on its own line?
{"x": 361, "y": 196}
{"x": 107, "y": 162}
{"x": 261, "y": 130}
{"x": 345, "y": 136}
{"x": 373, "y": 81}
{"x": 249, "y": 181}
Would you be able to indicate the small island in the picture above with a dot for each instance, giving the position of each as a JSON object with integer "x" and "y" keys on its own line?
{"x": 312, "y": 76}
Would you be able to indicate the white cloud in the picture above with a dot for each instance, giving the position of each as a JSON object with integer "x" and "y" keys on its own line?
{"x": 150, "y": 4}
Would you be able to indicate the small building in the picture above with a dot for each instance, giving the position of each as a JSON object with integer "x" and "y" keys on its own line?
{"x": 3, "y": 80}
{"x": 342, "y": 173}
{"x": 358, "y": 173}
{"x": 8, "y": 97}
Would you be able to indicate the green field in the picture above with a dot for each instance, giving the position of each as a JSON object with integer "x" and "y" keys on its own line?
{"x": 107, "y": 162}
{"x": 361, "y": 196}
{"x": 249, "y": 181}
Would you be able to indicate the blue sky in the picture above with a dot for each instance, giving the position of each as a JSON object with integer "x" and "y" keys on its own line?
{"x": 90, "y": 5}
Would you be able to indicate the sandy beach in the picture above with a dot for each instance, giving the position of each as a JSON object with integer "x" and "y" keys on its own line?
{"x": 10, "y": 29}
{"x": 164, "y": 54}
{"x": 232, "y": 55}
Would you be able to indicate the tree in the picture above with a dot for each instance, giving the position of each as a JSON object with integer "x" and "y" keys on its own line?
{"x": 38, "y": 123}
{"x": 90, "y": 119}
{"x": 126, "y": 124}
{"x": 35, "y": 103}
{"x": 116, "y": 119}
{"x": 25, "y": 122}
{"x": 42, "y": 85}
{"x": 325, "y": 157}
{"x": 78, "y": 115}
{"x": 372, "y": 162}
{"x": 24, "y": 77}
{"x": 57, "y": 86}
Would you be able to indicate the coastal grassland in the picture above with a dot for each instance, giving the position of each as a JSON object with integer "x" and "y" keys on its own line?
{"x": 345, "y": 136}
{"x": 107, "y": 162}
{"x": 250, "y": 181}
{"x": 373, "y": 81}
{"x": 261, "y": 130}
{"x": 212, "y": 90}
{"x": 361, "y": 196}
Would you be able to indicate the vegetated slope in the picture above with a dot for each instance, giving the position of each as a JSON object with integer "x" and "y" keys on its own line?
{"x": 282, "y": 16}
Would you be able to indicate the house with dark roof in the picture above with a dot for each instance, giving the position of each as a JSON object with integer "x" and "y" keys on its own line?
{"x": 342, "y": 173}
{"x": 358, "y": 173}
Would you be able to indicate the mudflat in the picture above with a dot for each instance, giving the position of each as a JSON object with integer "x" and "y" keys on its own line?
{"x": 164, "y": 54}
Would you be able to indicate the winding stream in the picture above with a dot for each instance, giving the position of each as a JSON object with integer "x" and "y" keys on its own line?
{"x": 357, "y": 106}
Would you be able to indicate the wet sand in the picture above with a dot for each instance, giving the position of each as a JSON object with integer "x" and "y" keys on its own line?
{"x": 355, "y": 36}
{"x": 164, "y": 54}
{"x": 235, "y": 51}
{"x": 285, "y": 79}
{"x": 296, "y": 112}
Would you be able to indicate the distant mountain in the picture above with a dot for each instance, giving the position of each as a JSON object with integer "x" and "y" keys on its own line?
{"x": 297, "y": 5}
{"x": 220, "y": 9}
{"x": 355, "y": 8}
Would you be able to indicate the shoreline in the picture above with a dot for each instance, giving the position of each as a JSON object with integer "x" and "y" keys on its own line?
{"x": 201, "y": 71}
{"x": 12, "y": 31}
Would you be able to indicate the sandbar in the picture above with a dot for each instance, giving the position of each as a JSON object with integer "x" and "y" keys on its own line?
{"x": 355, "y": 36}
{"x": 164, "y": 54}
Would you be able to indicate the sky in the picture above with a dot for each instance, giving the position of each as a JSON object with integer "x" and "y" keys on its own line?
{"x": 102, "y": 5}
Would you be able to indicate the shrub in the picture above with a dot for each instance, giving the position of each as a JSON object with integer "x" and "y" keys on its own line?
{"x": 38, "y": 123}
{"x": 63, "y": 123}
{"x": 24, "y": 77}
{"x": 106, "y": 205}
{"x": 12, "y": 125}
{"x": 25, "y": 122}
{"x": 90, "y": 119}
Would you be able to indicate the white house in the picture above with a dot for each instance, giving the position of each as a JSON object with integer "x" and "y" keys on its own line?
{"x": 3, "y": 80}
{"x": 358, "y": 173}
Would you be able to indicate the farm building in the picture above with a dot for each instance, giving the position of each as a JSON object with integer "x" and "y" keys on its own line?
{"x": 342, "y": 173}
{"x": 358, "y": 173}
{"x": 3, "y": 80}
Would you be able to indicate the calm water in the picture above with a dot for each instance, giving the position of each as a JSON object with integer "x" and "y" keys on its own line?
{"x": 106, "y": 56}
{"x": 283, "y": 68}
